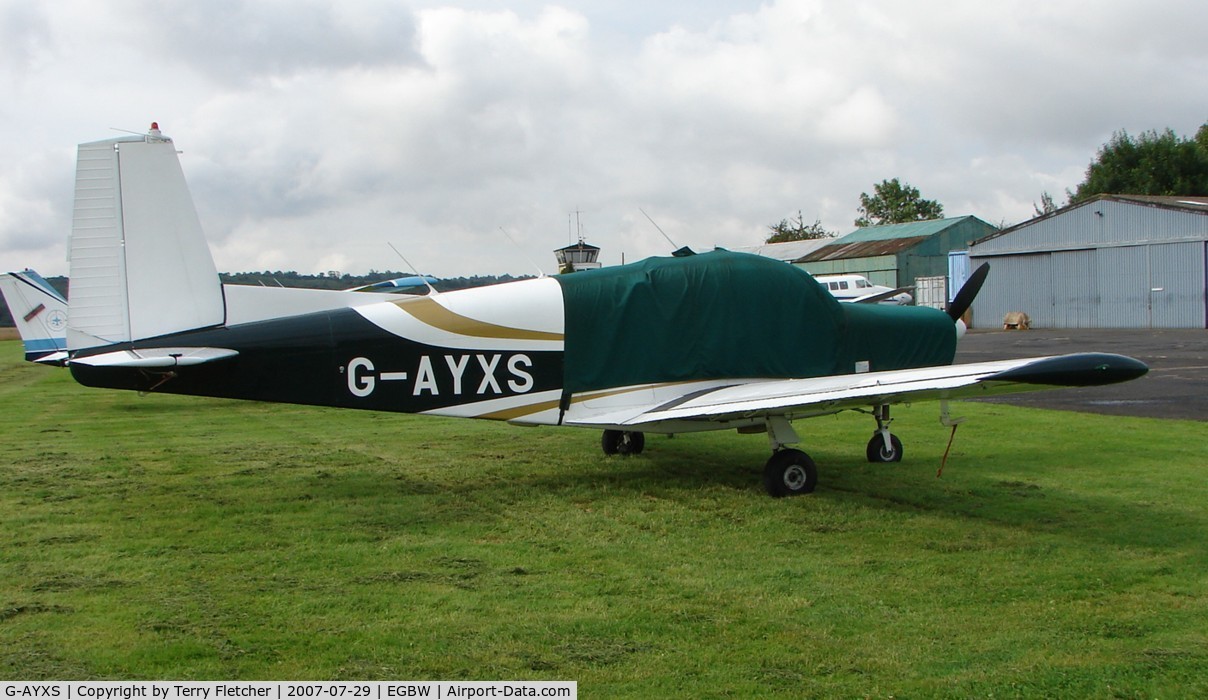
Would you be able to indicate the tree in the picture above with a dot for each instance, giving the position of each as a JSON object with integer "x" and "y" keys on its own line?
{"x": 1151, "y": 164}
{"x": 895, "y": 203}
{"x": 1046, "y": 206}
{"x": 796, "y": 230}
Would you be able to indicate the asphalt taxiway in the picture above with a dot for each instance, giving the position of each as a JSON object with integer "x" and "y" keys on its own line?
{"x": 1176, "y": 386}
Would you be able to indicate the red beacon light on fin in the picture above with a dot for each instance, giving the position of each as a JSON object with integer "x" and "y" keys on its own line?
{"x": 155, "y": 134}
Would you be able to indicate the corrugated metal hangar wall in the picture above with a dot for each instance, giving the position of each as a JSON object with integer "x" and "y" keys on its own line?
{"x": 1112, "y": 262}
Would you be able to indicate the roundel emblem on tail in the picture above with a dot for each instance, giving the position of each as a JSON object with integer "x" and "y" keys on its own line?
{"x": 56, "y": 320}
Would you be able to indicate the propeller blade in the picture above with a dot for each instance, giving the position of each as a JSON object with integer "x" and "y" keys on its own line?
{"x": 964, "y": 298}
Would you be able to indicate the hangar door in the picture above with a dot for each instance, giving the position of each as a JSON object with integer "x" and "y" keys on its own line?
{"x": 1177, "y": 288}
{"x": 1123, "y": 285}
{"x": 1158, "y": 285}
{"x": 1152, "y": 286}
{"x": 1075, "y": 289}
{"x": 1016, "y": 283}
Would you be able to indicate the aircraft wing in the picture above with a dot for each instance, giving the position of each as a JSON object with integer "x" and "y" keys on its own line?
{"x": 799, "y": 398}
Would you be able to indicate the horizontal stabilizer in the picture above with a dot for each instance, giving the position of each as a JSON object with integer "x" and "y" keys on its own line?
{"x": 55, "y": 357}
{"x": 155, "y": 357}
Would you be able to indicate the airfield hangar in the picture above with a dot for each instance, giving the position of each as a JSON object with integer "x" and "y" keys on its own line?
{"x": 1115, "y": 261}
{"x": 899, "y": 255}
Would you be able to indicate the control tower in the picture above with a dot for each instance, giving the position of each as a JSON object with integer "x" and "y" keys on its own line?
{"x": 580, "y": 256}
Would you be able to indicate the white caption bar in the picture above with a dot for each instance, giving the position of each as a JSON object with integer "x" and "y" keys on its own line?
{"x": 285, "y": 690}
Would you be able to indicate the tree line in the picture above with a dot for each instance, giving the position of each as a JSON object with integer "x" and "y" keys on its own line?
{"x": 291, "y": 278}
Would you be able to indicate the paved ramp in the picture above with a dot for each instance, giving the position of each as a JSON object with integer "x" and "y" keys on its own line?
{"x": 1176, "y": 386}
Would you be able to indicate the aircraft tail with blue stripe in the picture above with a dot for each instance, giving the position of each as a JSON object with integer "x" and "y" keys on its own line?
{"x": 40, "y": 314}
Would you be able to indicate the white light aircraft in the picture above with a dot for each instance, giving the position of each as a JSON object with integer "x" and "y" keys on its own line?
{"x": 667, "y": 345}
{"x": 857, "y": 289}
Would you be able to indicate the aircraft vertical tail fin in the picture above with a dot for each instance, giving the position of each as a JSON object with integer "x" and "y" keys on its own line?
{"x": 40, "y": 314}
{"x": 140, "y": 265}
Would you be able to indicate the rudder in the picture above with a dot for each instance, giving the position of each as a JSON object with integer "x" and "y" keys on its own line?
{"x": 140, "y": 264}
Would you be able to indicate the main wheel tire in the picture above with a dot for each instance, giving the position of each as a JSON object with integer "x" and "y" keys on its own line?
{"x": 622, "y": 442}
{"x": 876, "y": 449}
{"x": 790, "y": 473}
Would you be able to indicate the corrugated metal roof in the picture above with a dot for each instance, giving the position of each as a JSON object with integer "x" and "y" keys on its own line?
{"x": 1198, "y": 205}
{"x": 862, "y": 249}
{"x": 913, "y": 229}
{"x": 1195, "y": 205}
{"x": 788, "y": 251}
{"x": 889, "y": 239}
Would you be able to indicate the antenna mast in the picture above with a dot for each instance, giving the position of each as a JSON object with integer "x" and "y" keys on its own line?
{"x": 407, "y": 262}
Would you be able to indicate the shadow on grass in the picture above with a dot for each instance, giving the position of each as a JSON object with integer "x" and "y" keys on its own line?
{"x": 977, "y": 488}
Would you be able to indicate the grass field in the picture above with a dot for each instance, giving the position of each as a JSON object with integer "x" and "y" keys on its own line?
{"x": 1061, "y": 555}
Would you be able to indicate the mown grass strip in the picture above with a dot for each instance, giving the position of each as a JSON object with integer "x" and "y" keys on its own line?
{"x": 171, "y": 537}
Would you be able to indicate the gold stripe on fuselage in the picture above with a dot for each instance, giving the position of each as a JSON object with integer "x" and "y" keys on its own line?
{"x": 520, "y": 411}
{"x": 432, "y": 313}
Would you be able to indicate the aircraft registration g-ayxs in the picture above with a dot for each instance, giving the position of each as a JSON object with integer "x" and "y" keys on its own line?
{"x": 666, "y": 345}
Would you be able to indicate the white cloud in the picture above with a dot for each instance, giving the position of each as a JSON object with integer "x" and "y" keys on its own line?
{"x": 316, "y": 132}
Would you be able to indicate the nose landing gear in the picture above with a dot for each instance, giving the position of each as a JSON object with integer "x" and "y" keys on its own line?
{"x": 884, "y": 445}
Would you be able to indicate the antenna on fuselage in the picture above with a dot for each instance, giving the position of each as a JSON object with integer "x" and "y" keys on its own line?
{"x": 424, "y": 278}
{"x": 540, "y": 272}
{"x": 677, "y": 251}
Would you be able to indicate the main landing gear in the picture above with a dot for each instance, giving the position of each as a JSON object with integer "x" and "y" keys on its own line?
{"x": 623, "y": 442}
{"x": 789, "y": 471}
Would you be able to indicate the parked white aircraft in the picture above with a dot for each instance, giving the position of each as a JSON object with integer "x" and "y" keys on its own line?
{"x": 858, "y": 290}
{"x": 667, "y": 345}
{"x": 40, "y": 314}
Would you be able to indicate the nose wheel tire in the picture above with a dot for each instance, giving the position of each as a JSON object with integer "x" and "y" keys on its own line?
{"x": 876, "y": 449}
{"x": 790, "y": 473}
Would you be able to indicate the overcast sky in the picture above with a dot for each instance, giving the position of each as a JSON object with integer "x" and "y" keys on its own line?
{"x": 316, "y": 133}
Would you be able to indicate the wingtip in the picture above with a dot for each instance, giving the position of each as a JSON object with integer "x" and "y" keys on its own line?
{"x": 1082, "y": 369}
